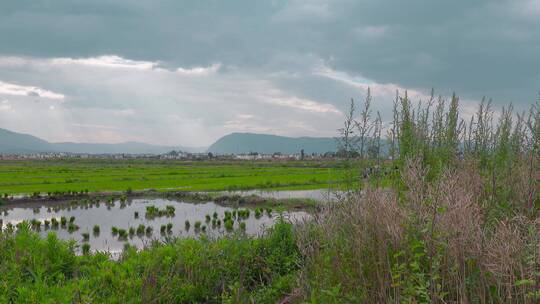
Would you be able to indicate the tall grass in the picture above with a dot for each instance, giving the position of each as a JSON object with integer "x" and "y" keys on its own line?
{"x": 434, "y": 242}
{"x": 460, "y": 224}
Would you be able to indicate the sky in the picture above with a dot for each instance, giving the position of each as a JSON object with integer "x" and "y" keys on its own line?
{"x": 188, "y": 72}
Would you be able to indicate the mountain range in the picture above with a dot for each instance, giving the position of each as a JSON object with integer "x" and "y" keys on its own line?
{"x": 18, "y": 143}
{"x": 235, "y": 143}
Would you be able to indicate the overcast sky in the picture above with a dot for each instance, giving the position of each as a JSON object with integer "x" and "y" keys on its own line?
{"x": 187, "y": 72}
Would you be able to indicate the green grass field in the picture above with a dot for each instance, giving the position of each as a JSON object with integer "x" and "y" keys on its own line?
{"x": 96, "y": 175}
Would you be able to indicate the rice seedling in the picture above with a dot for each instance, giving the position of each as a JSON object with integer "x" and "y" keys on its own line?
{"x": 86, "y": 236}
{"x": 243, "y": 213}
{"x": 9, "y": 227}
{"x": 229, "y": 224}
{"x": 162, "y": 229}
{"x": 72, "y": 227}
{"x": 114, "y": 230}
{"x": 207, "y": 218}
{"x": 153, "y": 211}
{"x": 140, "y": 229}
{"x": 36, "y": 224}
{"x": 122, "y": 234}
{"x": 149, "y": 230}
{"x": 54, "y": 223}
{"x": 85, "y": 248}
{"x": 63, "y": 221}
{"x": 243, "y": 226}
{"x": 187, "y": 225}
{"x": 136, "y": 215}
{"x": 215, "y": 215}
{"x": 131, "y": 231}
{"x": 96, "y": 230}
{"x": 197, "y": 225}
{"x": 72, "y": 219}
{"x": 170, "y": 210}
{"x": 203, "y": 228}
{"x": 169, "y": 227}
{"x": 47, "y": 223}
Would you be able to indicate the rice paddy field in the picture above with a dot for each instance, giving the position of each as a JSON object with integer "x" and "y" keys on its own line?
{"x": 99, "y": 232}
{"x": 102, "y": 175}
{"x": 108, "y": 226}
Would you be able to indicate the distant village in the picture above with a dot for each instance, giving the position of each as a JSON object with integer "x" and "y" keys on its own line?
{"x": 172, "y": 155}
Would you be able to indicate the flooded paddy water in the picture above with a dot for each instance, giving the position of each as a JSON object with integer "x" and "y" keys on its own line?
{"x": 138, "y": 222}
{"x": 315, "y": 194}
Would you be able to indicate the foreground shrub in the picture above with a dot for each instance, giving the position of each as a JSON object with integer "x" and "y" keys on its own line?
{"x": 236, "y": 269}
{"x": 436, "y": 241}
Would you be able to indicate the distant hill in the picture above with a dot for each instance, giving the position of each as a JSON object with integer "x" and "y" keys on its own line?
{"x": 12, "y": 142}
{"x": 237, "y": 143}
{"x": 18, "y": 143}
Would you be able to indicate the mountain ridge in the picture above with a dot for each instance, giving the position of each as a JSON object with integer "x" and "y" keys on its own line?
{"x": 243, "y": 142}
{"x": 20, "y": 143}
{"x": 233, "y": 143}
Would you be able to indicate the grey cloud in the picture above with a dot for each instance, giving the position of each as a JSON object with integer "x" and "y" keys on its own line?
{"x": 475, "y": 48}
{"x": 194, "y": 106}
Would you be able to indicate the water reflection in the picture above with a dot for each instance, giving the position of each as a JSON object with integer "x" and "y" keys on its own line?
{"x": 316, "y": 194}
{"x": 119, "y": 222}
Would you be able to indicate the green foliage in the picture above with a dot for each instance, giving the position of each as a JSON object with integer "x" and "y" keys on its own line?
{"x": 415, "y": 271}
{"x": 153, "y": 211}
{"x": 36, "y": 270}
{"x": 101, "y": 175}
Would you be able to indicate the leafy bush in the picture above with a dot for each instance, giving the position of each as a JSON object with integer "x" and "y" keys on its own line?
{"x": 435, "y": 241}
{"x": 185, "y": 271}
